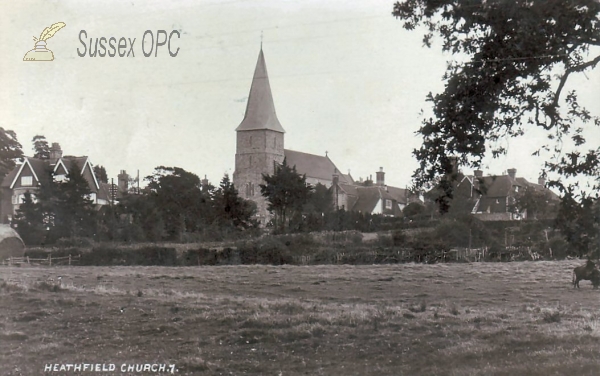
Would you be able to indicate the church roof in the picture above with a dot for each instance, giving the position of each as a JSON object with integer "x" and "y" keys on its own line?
{"x": 314, "y": 166}
{"x": 260, "y": 109}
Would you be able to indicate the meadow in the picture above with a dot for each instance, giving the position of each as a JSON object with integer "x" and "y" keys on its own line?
{"x": 521, "y": 318}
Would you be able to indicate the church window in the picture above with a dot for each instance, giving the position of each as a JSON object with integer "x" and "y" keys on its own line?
{"x": 249, "y": 189}
{"x": 250, "y": 161}
{"x": 250, "y": 142}
{"x": 274, "y": 142}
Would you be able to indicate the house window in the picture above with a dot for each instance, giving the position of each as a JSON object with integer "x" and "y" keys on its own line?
{"x": 26, "y": 181}
{"x": 18, "y": 199}
{"x": 497, "y": 201}
{"x": 388, "y": 204}
{"x": 59, "y": 178}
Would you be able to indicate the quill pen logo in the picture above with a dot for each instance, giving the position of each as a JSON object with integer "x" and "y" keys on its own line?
{"x": 40, "y": 52}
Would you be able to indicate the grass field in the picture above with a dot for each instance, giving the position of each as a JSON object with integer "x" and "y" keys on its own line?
{"x": 412, "y": 319}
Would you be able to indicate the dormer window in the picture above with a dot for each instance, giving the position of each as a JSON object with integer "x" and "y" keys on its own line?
{"x": 26, "y": 181}
{"x": 388, "y": 204}
{"x": 516, "y": 188}
{"x": 60, "y": 178}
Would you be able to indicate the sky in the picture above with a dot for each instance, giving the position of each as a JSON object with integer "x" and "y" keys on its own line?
{"x": 346, "y": 78}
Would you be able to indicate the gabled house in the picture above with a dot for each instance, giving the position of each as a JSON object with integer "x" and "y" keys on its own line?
{"x": 32, "y": 173}
{"x": 373, "y": 198}
{"x": 494, "y": 197}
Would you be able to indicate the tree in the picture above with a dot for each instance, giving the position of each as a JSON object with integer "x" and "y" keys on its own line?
{"x": 518, "y": 56}
{"x": 177, "y": 195}
{"x": 230, "y": 210}
{"x": 74, "y": 214}
{"x": 10, "y": 151}
{"x": 537, "y": 203}
{"x": 40, "y": 147}
{"x": 578, "y": 223}
{"x": 287, "y": 193}
{"x": 29, "y": 221}
{"x": 100, "y": 173}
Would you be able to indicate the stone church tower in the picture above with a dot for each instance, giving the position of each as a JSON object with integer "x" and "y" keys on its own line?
{"x": 259, "y": 145}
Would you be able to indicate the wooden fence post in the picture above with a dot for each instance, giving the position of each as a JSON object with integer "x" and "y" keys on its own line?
{"x": 28, "y": 260}
{"x": 50, "y": 260}
{"x": 69, "y": 259}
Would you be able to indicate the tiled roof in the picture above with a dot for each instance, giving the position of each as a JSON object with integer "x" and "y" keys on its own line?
{"x": 399, "y": 194}
{"x": 368, "y": 197}
{"x": 314, "y": 166}
{"x": 38, "y": 166}
{"x": 260, "y": 110}
{"x": 497, "y": 186}
{"x": 69, "y": 161}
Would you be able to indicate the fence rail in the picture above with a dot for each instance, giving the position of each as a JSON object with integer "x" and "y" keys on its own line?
{"x": 49, "y": 261}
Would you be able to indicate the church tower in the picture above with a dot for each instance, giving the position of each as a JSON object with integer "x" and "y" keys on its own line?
{"x": 259, "y": 146}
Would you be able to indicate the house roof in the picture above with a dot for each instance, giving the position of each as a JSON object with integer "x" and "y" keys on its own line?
{"x": 38, "y": 167}
{"x": 368, "y": 197}
{"x": 537, "y": 187}
{"x": 399, "y": 194}
{"x": 497, "y": 186}
{"x": 314, "y": 166}
{"x": 260, "y": 109}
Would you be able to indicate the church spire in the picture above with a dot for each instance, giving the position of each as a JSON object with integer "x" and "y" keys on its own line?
{"x": 260, "y": 110}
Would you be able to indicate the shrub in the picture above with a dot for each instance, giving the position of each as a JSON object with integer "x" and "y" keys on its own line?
{"x": 74, "y": 242}
{"x": 559, "y": 247}
{"x": 398, "y": 237}
{"x": 268, "y": 250}
{"x": 110, "y": 256}
{"x": 384, "y": 240}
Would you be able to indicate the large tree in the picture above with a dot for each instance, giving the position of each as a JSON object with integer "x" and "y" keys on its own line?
{"x": 40, "y": 147}
{"x": 513, "y": 60}
{"x": 177, "y": 195}
{"x": 29, "y": 220}
{"x": 74, "y": 208}
{"x": 287, "y": 192}
{"x": 230, "y": 210}
{"x": 100, "y": 173}
{"x": 10, "y": 151}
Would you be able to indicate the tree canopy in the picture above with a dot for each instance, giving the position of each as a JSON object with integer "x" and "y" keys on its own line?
{"x": 287, "y": 193}
{"x": 513, "y": 61}
{"x": 40, "y": 147}
{"x": 10, "y": 151}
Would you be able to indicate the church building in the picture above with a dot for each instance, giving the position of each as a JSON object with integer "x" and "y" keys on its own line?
{"x": 260, "y": 148}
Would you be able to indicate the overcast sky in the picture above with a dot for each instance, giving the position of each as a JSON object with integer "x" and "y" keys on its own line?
{"x": 346, "y": 78}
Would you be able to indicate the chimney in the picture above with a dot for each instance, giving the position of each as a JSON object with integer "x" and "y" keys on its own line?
{"x": 512, "y": 172}
{"x": 380, "y": 176}
{"x": 123, "y": 181}
{"x": 542, "y": 180}
{"x": 336, "y": 179}
{"x": 55, "y": 152}
{"x": 478, "y": 173}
